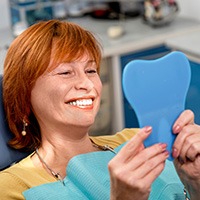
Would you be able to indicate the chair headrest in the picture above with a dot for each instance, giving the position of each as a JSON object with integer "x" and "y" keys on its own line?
{"x": 8, "y": 155}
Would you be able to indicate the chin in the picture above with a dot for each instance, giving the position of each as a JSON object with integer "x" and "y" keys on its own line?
{"x": 89, "y": 124}
{"x": 85, "y": 124}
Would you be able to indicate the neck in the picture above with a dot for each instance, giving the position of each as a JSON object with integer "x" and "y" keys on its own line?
{"x": 57, "y": 152}
{"x": 66, "y": 142}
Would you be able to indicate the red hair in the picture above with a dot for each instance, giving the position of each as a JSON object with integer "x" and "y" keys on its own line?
{"x": 28, "y": 58}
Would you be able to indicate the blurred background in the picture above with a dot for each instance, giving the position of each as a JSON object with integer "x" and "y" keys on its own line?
{"x": 13, "y": 11}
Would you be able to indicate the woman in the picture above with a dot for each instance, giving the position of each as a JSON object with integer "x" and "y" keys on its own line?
{"x": 52, "y": 92}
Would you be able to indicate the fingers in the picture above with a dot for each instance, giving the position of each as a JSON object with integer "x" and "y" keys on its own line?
{"x": 186, "y": 145}
{"x": 147, "y": 155}
{"x": 142, "y": 169}
{"x": 152, "y": 168}
{"x": 148, "y": 160}
{"x": 134, "y": 145}
{"x": 193, "y": 151}
{"x": 189, "y": 172}
{"x": 134, "y": 164}
{"x": 185, "y": 129}
{"x": 186, "y": 117}
{"x": 150, "y": 173}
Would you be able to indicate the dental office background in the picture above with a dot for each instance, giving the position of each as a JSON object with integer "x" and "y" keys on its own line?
{"x": 188, "y": 8}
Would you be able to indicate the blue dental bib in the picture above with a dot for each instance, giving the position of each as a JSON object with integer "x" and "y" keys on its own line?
{"x": 88, "y": 179}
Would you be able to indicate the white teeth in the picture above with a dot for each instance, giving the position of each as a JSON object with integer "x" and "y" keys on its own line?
{"x": 84, "y": 102}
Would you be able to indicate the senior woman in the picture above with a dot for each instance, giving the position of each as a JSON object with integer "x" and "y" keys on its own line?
{"x": 52, "y": 93}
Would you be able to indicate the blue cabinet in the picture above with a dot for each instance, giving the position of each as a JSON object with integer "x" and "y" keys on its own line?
{"x": 193, "y": 96}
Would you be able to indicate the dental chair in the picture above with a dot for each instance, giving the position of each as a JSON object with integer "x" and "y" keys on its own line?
{"x": 8, "y": 155}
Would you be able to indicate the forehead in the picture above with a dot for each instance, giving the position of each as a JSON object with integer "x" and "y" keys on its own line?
{"x": 84, "y": 62}
{"x": 83, "y": 58}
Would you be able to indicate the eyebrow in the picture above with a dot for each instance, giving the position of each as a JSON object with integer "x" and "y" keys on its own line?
{"x": 87, "y": 61}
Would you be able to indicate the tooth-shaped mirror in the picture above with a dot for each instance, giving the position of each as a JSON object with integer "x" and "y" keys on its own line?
{"x": 156, "y": 90}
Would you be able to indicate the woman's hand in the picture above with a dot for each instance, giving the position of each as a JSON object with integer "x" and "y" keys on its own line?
{"x": 186, "y": 151}
{"x": 134, "y": 168}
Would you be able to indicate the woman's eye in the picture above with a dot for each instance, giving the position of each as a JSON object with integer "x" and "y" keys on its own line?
{"x": 91, "y": 71}
{"x": 65, "y": 73}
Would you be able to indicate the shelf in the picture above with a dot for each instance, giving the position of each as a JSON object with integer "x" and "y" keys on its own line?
{"x": 32, "y": 6}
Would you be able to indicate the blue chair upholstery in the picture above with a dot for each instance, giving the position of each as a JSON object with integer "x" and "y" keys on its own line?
{"x": 8, "y": 155}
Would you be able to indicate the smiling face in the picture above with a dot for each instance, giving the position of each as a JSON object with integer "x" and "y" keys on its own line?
{"x": 30, "y": 92}
{"x": 67, "y": 96}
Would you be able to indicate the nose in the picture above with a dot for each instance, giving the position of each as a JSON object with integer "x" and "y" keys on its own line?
{"x": 84, "y": 83}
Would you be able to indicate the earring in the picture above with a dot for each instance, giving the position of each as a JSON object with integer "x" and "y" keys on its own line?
{"x": 24, "y": 128}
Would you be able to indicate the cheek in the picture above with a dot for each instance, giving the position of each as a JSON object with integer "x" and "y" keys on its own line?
{"x": 44, "y": 95}
{"x": 38, "y": 99}
{"x": 98, "y": 86}
{"x": 47, "y": 104}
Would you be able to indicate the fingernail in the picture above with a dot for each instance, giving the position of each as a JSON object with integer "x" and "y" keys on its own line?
{"x": 174, "y": 152}
{"x": 163, "y": 146}
{"x": 148, "y": 129}
{"x": 177, "y": 129}
{"x": 166, "y": 153}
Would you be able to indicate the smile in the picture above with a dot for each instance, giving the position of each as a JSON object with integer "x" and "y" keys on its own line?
{"x": 82, "y": 102}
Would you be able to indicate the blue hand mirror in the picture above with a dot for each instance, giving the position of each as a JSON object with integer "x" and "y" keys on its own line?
{"x": 156, "y": 90}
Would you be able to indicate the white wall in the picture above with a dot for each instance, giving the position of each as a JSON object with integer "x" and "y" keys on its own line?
{"x": 5, "y": 14}
{"x": 190, "y": 8}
